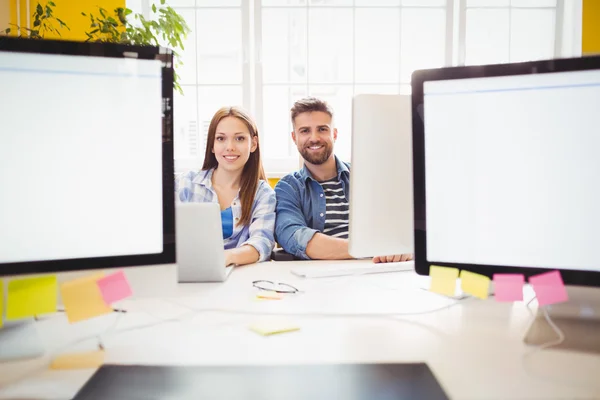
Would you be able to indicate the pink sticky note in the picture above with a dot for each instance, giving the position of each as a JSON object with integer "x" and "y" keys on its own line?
{"x": 508, "y": 287}
{"x": 549, "y": 288}
{"x": 114, "y": 287}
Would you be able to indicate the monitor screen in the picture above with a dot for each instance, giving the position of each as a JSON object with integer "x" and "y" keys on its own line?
{"x": 82, "y": 146}
{"x": 509, "y": 166}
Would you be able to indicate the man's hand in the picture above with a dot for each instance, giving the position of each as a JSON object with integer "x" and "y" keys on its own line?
{"x": 396, "y": 258}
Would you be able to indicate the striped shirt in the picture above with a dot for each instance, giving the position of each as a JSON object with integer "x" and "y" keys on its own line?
{"x": 336, "y": 217}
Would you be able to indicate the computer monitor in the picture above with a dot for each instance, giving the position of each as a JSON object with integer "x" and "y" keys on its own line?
{"x": 381, "y": 196}
{"x": 506, "y": 169}
{"x": 86, "y": 156}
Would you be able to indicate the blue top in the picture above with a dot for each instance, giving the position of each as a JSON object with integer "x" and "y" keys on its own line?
{"x": 227, "y": 222}
{"x": 196, "y": 186}
{"x": 301, "y": 208}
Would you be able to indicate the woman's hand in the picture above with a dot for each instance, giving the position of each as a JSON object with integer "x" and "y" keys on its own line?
{"x": 395, "y": 258}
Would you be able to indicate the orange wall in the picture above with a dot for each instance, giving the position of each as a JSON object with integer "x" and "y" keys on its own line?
{"x": 590, "y": 29}
{"x": 68, "y": 11}
{"x": 4, "y": 14}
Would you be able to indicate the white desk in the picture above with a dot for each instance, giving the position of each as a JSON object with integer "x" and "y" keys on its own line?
{"x": 474, "y": 348}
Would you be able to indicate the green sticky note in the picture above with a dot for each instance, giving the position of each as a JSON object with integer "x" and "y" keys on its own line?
{"x": 31, "y": 296}
{"x": 475, "y": 284}
{"x": 443, "y": 280}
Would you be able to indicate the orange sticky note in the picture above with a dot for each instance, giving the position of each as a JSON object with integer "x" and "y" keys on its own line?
{"x": 83, "y": 299}
{"x": 269, "y": 295}
{"x": 92, "y": 359}
{"x": 475, "y": 284}
{"x": 273, "y": 326}
{"x": 31, "y": 296}
{"x": 1, "y": 301}
{"x": 443, "y": 280}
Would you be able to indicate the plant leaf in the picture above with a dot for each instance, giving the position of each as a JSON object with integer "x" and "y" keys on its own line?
{"x": 154, "y": 7}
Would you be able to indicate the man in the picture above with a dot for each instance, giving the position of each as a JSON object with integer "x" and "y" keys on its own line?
{"x": 312, "y": 204}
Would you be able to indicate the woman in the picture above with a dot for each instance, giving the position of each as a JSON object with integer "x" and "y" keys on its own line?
{"x": 233, "y": 176}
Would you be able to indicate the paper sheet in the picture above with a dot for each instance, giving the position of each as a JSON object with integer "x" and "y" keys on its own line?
{"x": 508, "y": 287}
{"x": 28, "y": 297}
{"x": 82, "y": 299}
{"x": 443, "y": 280}
{"x": 114, "y": 287}
{"x": 269, "y": 295}
{"x": 475, "y": 284}
{"x": 549, "y": 288}
{"x": 92, "y": 359}
{"x": 273, "y": 326}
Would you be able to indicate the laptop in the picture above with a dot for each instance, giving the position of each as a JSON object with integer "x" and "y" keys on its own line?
{"x": 199, "y": 243}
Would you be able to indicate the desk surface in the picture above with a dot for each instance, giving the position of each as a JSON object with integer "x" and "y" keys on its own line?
{"x": 474, "y": 347}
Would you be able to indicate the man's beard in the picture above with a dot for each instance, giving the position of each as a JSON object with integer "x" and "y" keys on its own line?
{"x": 317, "y": 158}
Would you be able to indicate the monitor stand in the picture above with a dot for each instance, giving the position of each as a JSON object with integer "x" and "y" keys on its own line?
{"x": 20, "y": 340}
{"x": 578, "y": 319}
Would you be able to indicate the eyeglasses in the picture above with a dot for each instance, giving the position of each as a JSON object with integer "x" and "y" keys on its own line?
{"x": 278, "y": 287}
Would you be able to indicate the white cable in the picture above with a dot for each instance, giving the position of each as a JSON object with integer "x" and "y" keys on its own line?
{"x": 560, "y": 338}
{"x": 554, "y": 342}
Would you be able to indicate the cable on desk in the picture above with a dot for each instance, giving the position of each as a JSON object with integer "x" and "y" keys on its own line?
{"x": 559, "y": 333}
{"x": 560, "y": 338}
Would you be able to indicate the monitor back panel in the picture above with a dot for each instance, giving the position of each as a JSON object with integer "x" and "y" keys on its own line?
{"x": 381, "y": 182}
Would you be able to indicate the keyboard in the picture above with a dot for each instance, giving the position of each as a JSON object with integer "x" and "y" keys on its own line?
{"x": 322, "y": 270}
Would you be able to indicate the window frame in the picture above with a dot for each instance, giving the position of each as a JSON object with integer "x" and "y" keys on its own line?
{"x": 567, "y": 43}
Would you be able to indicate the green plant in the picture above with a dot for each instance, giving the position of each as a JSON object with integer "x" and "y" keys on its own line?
{"x": 167, "y": 28}
{"x": 43, "y": 22}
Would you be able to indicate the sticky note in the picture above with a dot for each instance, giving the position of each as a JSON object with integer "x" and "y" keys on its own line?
{"x": 273, "y": 326}
{"x": 549, "y": 288}
{"x": 31, "y": 296}
{"x": 475, "y": 284}
{"x": 92, "y": 359}
{"x": 269, "y": 295}
{"x": 1, "y": 301}
{"x": 443, "y": 280}
{"x": 508, "y": 287}
{"x": 114, "y": 287}
{"x": 82, "y": 299}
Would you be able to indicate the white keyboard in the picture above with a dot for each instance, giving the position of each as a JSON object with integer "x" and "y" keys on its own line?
{"x": 322, "y": 270}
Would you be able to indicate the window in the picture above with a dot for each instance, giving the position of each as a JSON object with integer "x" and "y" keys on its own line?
{"x": 264, "y": 54}
{"x": 499, "y": 31}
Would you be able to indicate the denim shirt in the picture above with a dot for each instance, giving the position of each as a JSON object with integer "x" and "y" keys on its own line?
{"x": 301, "y": 208}
{"x": 196, "y": 186}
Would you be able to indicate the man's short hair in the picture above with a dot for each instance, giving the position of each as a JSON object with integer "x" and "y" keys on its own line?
{"x": 310, "y": 104}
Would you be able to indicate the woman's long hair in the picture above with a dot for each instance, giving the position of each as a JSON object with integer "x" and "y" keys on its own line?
{"x": 253, "y": 171}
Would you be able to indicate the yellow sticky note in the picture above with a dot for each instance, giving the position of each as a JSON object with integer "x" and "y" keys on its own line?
{"x": 31, "y": 296}
{"x": 92, "y": 359}
{"x": 273, "y": 326}
{"x": 269, "y": 295}
{"x": 1, "y": 301}
{"x": 474, "y": 284}
{"x": 443, "y": 280}
{"x": 83, "y": 299}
